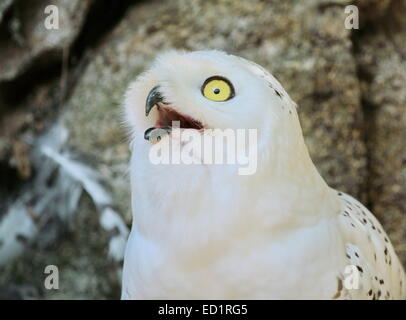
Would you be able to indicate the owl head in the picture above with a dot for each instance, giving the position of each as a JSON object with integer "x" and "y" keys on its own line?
{"x": 206, "y": 89}
{"x": 214, "y": 90}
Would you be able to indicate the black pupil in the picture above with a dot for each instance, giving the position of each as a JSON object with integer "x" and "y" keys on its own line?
{"x": 216, "y": 91}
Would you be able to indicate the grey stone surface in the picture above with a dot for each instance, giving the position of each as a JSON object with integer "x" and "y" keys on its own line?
{"x": 27, "y": 52}
{"x": 34, "y": 39}
{"x": 4, "y": 5}
{"x": 382, "y": 62}
{"x": 81, "y": 258}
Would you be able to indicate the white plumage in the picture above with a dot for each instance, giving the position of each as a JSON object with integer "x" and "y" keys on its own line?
{"x": 205, "y": 232}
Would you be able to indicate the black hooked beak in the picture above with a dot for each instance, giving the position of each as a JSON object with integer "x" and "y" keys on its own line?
{"x": 154, "y": 97}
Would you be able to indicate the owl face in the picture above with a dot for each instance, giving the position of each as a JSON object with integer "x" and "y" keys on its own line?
{"x": 205, "y": 90}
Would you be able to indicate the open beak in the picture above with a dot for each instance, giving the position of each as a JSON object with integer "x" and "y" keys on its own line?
{"x": 167, "y": 114}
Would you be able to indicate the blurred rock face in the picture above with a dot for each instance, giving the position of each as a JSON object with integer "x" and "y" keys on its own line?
{"x": 354, "y": 125}
{"x": 29, "y": 52}
{"x": 32, "y": 39}
{"x": 381, "y": 55}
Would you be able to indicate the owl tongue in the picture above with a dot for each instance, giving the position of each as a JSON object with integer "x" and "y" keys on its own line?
{"x": 168, "y": 115}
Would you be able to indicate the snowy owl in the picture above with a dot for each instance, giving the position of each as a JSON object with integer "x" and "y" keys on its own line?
{"x": 203, "y": 231}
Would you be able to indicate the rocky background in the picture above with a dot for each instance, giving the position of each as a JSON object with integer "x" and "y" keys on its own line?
{"x": 60, "y": 95}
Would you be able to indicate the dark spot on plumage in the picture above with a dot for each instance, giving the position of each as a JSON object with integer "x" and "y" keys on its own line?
{"x": 278, "y": 93}
{"x": 370, "y": 292}
{"x": 379, "y": 293}
{"x": 375, "y": 256}
{"x": 373, "y": 227}
{"x": 360, "y": 269}
{"x": 348, "y": 256}
{"x": 340, "y": 194}
{"x": 376, "y": 278}
{"x": 364, "y": 221}
{"x": 356, "y": 254}
{"x": 386, "y": 240}
{"x": 386, "y": 251}
{"x": 379, "y": 230}
{"x": 374, "y": 297}
{"x": 381, "y": 281}
{"x": 352, "y": 225}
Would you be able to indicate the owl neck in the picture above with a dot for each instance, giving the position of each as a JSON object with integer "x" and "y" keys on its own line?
{"x": 296, "y": 191}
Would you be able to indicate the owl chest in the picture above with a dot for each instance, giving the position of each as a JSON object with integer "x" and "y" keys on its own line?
{"x": 252, "y": 267}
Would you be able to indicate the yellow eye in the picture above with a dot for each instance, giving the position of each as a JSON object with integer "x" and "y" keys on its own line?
{"x": 217, "y": 89}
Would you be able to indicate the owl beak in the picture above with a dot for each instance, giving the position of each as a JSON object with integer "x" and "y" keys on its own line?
{"x": 166, "y": 116}
{"x": 154, "y": 97}
{"x": 155, "y": 134}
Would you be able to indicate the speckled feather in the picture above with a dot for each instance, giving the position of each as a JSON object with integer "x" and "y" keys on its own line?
{"x": 370, "y": 250}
